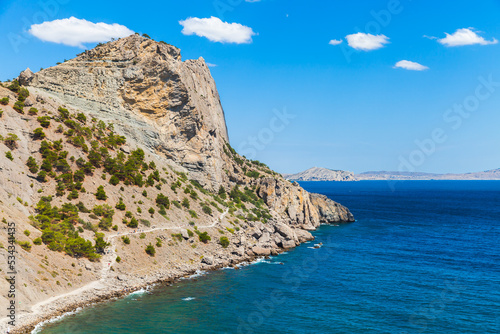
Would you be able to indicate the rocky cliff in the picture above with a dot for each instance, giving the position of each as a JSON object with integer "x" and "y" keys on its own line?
{"x": 118, "y": 172}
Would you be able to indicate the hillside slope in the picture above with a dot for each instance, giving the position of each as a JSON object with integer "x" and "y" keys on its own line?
{"x": 117, "y": 172}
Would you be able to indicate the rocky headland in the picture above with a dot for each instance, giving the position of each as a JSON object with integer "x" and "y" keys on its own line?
{"x": 117, "y": 173}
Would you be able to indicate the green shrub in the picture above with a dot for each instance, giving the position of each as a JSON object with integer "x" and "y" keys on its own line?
{"x": 11, "y": 141}
{"x": 42, "y": 176}
{"x": 114, "y": 180}
{"x": 193, "y": 214}
{"x": 14, "y": 86}
{"x": 118, "y": 259}
{"x": 224, "y": 241}
{"x": 105, "y": 223}
{"x": 133, "y": 223}
{"x": 204, "y": 237}
{"x": 142, "y": 236}
{"x": 4, "y": 101}
{"x": 190, "y": 233}
{"x": 115, "y": 228}
{"x": 63, "y": 112}
{"x": 101, "y": 194}
{"x": 37, "y": 241}
{"x": 126, "y": 240}
{"x": 253, "y": 174}
{"x": 27, "y": 233}
{"x": 38, "y": 134}
{"x": 185, "y": 203}
{"x": 9, "y": 156}
{"x": 163, "y": 200}
{"x": 145, "y": 193}
{"x": 23, "y": 94}
{"x": 26, "y": 245}
{"x": 81, "y": 117}
{"x": 222, "y": 192}
{"x": 120, "y": 205}
{"x": 33, "y": 111}
{"x": 151, "y": 211}
{"x": 44, "y": 121}
{"x": 19, "y": 107}
{"x": 150, "y": 250}
{"x": 145, "y": 222}
{"x": 207, "y": 209}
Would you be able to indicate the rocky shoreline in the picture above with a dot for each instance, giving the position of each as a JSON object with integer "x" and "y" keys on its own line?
{"x": 115, "y": 294}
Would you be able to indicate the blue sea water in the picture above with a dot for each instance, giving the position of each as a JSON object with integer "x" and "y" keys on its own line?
{"x": 422, "y": 257}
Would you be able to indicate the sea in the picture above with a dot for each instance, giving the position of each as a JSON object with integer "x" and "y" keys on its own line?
{"x": 422, "y": 257}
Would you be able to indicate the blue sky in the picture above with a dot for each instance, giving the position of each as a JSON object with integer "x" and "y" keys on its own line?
{"x": 355, "y": 113}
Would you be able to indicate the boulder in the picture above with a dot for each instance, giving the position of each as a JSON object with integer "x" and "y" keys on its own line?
{"x": 265, "y": 238}
{"x": 25, "y": 77}
{"x": 288, "y": 244}
{"x": 303, "y": 235}
{"x": 184, "y": 234}
{"x": 208, "y": 260}
{"x": 259, "y": 251}
{"x": 285, "y": 231}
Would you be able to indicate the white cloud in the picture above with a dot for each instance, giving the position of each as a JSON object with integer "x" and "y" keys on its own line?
{"x": 335, "y": 42}
{"x": 366, "y": 42}
{"x": 217, "y": 31}
{"x": 465, "y": 36}
{"x": 76, "y": 32}
{"x": 211, "y": 65}
{"x": 410, "y": 65}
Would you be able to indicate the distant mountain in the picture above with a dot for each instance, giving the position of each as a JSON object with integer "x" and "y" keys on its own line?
{"x": 493, "y": 174}
{"x": 324, "y": 174}
{"x": 321, "y": 174}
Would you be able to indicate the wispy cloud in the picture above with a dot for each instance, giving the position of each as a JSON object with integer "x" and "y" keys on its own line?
{"x": 77, "y": 32}
{"x": 335, "y": 42}
{"x": 211, "y": 65}
{"x": 465, "y": 36}
{"x": 410, "y": 65}
{"x": 217, "y": 31}
{"x": 366, "y": 42}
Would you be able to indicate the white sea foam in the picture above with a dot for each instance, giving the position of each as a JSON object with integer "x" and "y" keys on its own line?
{"x": 40, "y": 326}
{"x": 198, "y": 273}
{"x": 188, "y": 298}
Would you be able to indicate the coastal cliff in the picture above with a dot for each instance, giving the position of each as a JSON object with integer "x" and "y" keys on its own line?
{"x": 121, "y": 174}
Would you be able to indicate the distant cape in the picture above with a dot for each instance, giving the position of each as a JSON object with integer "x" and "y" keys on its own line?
{"x": 325, "y": 174}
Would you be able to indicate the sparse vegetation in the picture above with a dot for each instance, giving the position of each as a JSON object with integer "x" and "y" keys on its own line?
{"x": 150, "y": 250}
{"x": 204, "y": 237}
{"x": 224, "y": 242}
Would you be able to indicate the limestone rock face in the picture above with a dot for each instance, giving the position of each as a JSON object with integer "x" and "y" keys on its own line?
{"x": 301, "y": 208}
{"x": 170, "y": 106}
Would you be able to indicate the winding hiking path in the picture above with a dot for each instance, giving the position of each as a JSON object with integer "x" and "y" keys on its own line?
{"x": 108, "y": 260}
